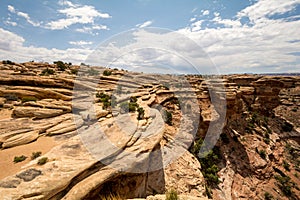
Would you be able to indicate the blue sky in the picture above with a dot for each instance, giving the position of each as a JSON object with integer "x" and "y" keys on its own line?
{"x": 238, "y": 36}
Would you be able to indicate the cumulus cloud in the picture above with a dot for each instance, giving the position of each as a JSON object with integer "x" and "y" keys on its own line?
{"x": 12, "y": 47}
{"x": 76, "y": 14}
{"x": 262, "y": 45}
{"x": 205, "y": 12}
{"x": 146, "y": 49}
{"x": 80, "y": 43}
{"x": 145, "y": 24}
{"x": 91, "y": 29}
{"x": 22, "y": 14}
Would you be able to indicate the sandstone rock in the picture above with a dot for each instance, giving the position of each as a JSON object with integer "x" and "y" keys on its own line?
{"x": 20, "y": 139}
{"x": 38, "y": 113}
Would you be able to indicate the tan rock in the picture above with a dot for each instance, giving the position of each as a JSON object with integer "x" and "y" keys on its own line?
{"x": 20, "y": 139}
{"x": 38, "y": 113}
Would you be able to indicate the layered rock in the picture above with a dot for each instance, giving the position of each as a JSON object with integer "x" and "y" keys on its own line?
{"x": 102, "y": 149}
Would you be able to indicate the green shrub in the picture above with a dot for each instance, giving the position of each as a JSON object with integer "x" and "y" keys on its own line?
{"x": 268, "y": 196}
{"x": 35, "y": 155}
{"x": 8, "y": 62}
{"x": 141, "y": 113}
{"x": 129, "y": 107}
{"x": 208, "y": 192}
{"x": 267, "y": 140}
{"x": 106, "y": 73}
{"x": 284, "y": 184}
{"x": 26, "y": 99}
{"x": 287, "y": 127}
{"x": 47, "y": 72}
{"x": 60, "y": 65}
{"x": 132, "y": 106}
{"x": 286, "y": 165}
{"x": 208, "y": 161}
{"x": 133, "y": 99}
{"x": 168, "y": 117}
{"x": 262, "y": 154}
{"x": 74, "y": 71}
{"x": 172, "y": 195}
{"x": 105, "y": 105}
{"x": 42, "y": 161}
{"x": 19, "y": 158}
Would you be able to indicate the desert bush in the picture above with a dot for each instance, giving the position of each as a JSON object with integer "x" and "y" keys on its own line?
{"x": 42, "y": 161}
{"x": 74, "y": 71}
{"x": 168, "y": 117}
{"x": 132, "y": 106}
{"x": 141, "y": 113}
{"x": 208, "y": 160}
{"x": 286, "y": 165}
{"x": 172, "y": 195}
{"x": 287, "y": 127}
{"x": 47, "y": 72}
{"x": 8, "y": 62}
{"x": 60, "y": 65}
{"x": 284, "y": 184}
{"x": 35, "y": 155}
{"x": 26, "y": 99}
{"x": 268, "y": 196}
{"x": 19, "y": 158}
{"x": 262, "y": 154}
{"x": 133, "y": 99}
{"x": 106, "y": 73}
{"x": 267, "y": 138}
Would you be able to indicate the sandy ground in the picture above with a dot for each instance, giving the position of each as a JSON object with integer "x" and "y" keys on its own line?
{"x": 7, "y": 165}
{"x": 5, "y": 114}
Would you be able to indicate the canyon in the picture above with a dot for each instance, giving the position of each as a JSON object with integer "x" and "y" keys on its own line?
{"x": 106, "y": 133}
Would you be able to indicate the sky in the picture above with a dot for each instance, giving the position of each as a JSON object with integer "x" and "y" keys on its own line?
{"x": 207, "y": 36}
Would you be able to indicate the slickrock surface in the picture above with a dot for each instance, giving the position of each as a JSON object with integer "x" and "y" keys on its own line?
{"x": 94, "y": 148}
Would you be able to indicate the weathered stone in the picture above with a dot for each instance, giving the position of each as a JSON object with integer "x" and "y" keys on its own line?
{"x": 29, "y": 174}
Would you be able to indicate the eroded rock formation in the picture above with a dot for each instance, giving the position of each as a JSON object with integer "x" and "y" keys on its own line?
{"x": 134, "y": 135}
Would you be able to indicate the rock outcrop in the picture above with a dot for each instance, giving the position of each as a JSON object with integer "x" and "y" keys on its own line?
{"x": 137, "y": 136}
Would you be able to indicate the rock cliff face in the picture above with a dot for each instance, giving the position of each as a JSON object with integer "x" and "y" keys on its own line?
{"x": 109, "y": 133}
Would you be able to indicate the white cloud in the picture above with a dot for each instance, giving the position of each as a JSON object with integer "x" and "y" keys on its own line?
{"x": 145, "y": 24}
{"x": 259, "y": 46}
{"x": 12, "y": 48}
{"x": 227, "y": 22}
{"x": 11, "y": 9}
{"x": 196, "y": 26}
{"x": 91, "y": 29}
{"x": 216, "y": 14}
{"x": 193, "y": 19}
{"x": 205, "y": 12}
{"x": 22, "y": 14}
{"x": 76, "y": 14}
{"x": 265, "y": 8}
{"x": 81, "y": 43}
{"x": 66, "y": 3}
{"x": 9, "y": 22}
